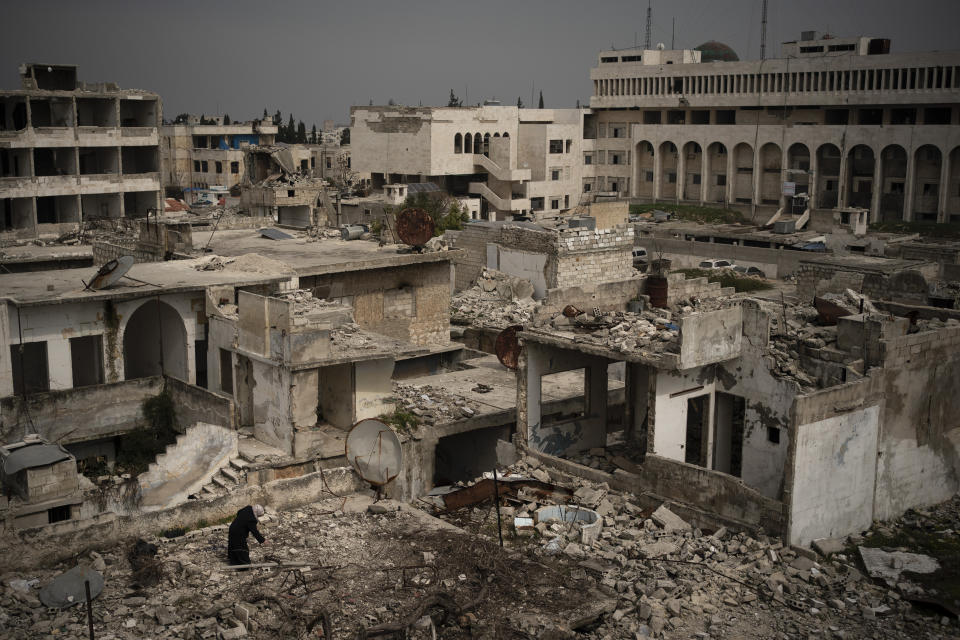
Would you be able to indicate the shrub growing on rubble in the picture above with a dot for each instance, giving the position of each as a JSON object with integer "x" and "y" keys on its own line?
{"x": 141, "y": 447}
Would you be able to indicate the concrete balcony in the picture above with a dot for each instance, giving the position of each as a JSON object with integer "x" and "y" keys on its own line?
{"x": 98, "y": 136}
{"x": 501, "y": 173}
{"x": 499, "y": 203}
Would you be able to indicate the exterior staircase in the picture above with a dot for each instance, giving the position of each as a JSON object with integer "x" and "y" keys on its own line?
{"x": 494, "y": 169}
{"x": 231, "y": 476}
{"x": 499, "y": 203}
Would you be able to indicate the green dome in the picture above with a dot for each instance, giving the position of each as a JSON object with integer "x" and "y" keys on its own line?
{"x": 714, "y": 51}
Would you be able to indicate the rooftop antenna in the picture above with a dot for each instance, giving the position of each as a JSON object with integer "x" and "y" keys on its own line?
{"x": 646, "y": 42}
{"x": 673, "y": 33}
{"x": 763, "y": 32}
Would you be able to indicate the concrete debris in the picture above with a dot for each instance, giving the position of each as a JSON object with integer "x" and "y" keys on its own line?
{"x": 497, "y": 300}
{"x": 433, "y": 405}
{"x": 672, "y": 579}
{"x": 889, "y": 565}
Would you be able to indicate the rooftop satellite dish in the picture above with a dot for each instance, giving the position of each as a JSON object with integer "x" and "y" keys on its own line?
{"x": 111, "y": 272}
{"x": 508, "y": 348}
{"x": 414, "y": 227}
{"x": 374, "y": 452}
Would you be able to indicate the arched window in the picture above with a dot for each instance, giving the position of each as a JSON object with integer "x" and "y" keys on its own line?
{"x": 458, "y": 143}
{"x": 468, "y": 144}
{"x": 486, "y": 144}
{"x": 496, "y": 135}
{"x": 506, "y": 135}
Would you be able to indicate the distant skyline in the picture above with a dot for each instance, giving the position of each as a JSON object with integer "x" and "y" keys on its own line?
{"x": 318, "y": 59}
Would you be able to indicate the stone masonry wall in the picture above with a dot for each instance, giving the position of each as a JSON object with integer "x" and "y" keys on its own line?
{"x": 52, "y": 481}
{"x": 591, "y": 256}
{"x": 472, "y": 242}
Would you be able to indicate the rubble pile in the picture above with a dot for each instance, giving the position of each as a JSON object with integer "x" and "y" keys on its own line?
{"x": 339, "y": 565}
{"x": 674, "y": 580}
{"x": 652, "y": 330}
{"x": 433, "y": 405}
{"x": 497, "y": 300}
{"x": 304, "y": 302}
{"x": 350, "y": 336}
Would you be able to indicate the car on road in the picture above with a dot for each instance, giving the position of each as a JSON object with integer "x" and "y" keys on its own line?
{"x": 716, "y": 264}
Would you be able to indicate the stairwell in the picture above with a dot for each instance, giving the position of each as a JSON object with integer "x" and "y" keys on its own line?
{"x": 194, "y": 459}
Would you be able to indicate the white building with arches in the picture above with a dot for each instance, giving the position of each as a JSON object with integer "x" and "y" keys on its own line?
{"x": 516, "y": 160}
{"x": 852, "y": 126}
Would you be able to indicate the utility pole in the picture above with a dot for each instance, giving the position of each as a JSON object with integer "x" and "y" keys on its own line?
{"x": 646, "y": 42}
{"x": 763, "y": 32}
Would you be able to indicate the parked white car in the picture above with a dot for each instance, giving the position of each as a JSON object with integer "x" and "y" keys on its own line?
{"x": 716, "y": 264}
{"x": 640, "y": 257}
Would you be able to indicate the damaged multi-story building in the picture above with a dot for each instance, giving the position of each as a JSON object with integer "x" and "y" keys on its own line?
{"x": 198, "y": 156}
{"x": 279, "y": 184}
{"x": 73, "y": 151}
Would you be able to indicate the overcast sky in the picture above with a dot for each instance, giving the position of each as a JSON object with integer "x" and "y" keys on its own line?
{"x": 318, "y": 58}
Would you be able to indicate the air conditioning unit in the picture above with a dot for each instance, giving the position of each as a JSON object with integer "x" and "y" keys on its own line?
{"x": 785, "y": 226}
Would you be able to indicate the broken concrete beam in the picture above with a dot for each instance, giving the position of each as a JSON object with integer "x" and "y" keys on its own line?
{"x": 828, "y": 546}
{"x": 669, "y": 520}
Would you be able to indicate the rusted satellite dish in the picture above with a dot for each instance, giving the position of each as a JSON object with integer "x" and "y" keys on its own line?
{"x": 507, "y": 347}
{"x": 111, "y": 272}
{"x": 571, "y": 311}
{"x": 414, "y": 227}
{"x": 374, "y": 452}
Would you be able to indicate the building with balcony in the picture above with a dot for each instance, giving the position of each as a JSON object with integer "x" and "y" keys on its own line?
{"x": 200, "y": 156}
{"x": 833, "y": 122}
{"x": 517, "y": 161}
{"x": 75, "y": 151}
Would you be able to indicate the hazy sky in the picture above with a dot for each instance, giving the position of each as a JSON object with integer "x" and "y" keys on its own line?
{"x": 318, "y": 58}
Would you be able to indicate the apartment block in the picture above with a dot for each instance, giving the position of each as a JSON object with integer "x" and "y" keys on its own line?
{"x": 75, "y": 151}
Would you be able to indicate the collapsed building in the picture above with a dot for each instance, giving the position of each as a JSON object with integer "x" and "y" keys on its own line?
{"x": 278, "y": 184}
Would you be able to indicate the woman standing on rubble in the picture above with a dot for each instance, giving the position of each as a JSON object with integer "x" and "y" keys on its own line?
{"x": 244, "y": 524}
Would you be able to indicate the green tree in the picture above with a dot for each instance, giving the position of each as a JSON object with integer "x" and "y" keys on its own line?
{"x": 226, "y": 118}
{"x": 519, "y": 103}
{"x": 540, "y": 106}
{"x": 301, "y": 133}
{"x": 445, "y": 211}
{"x": 181, "y": 118}
{"x": 345, "y": 136}
{"x": 313, "y": 134}
{"x": 291, "y": 130}
{"x": 454, "y": 101}
{"x": 265, "y": 116}
{"x": 278, "y": 119}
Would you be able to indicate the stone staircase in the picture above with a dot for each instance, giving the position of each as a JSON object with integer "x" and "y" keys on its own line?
{"x": 229, "y": 477}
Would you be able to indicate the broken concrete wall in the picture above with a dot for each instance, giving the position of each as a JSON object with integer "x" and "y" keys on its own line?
{"x": 373, "y": 394}
{"x": 609, "y": 214}
{"x": 51, "y": 481}
{"x": 768, "y": 401}
{"x": 608, "y": 296}
{"x": 708, "y": 337}
{"x": 405, "y": 302}
{"x": 680, "y": 288}
{"x": 272, "y": 405}
{"x": 78, "y": 415}
{"x": 919, "y": 449}
{"x": 19, "y": 553}
{"x": 567, "y": 435}
{"x": 195, "y": 404}
{"x": 522, "y": 264}
{"x": 472, "y": 257}
{"x": 188, "y": 464}
{"x": 833, "y": 460}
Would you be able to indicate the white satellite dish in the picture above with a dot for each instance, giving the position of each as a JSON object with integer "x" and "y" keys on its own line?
{"x": 374, "y": 452}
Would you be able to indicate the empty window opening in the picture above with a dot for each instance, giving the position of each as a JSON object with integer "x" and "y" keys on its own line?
{"x": 226, "y": 371}
{"x": 836, "y": 116}
{"x": 138, "y": 113}
{"x": 96, "y": 112}
{"x": 730, "y": 413}
{"x": 13, "y": 114}
{"x": 465, "y": 456}
{"x": 699, "y": 117}
{"x": 139, "y": 204}
{"x": 651, "y": 117}
{"x": 773, "y": 435}
{"x": 697, "y": 424}
{"x": 140, "y": 160}
{"x": 234, "y": 167}
{"x": 726, "y": 116}
{"x": 53, "y": 161}
{"x": 572, "y": 384}
{"x": 51, "y": 112}
{"x": 936, "y": 115}
{"x": 58, "y": 514}
{"x": 29, "y": 364}
{"x": 298, "y": 216}
{"x": 58, "y": 209}
{"x": 86, "y": 360}
{"x": 14, "y": 163}
{"x": 556, "y": 146}
{"x": 99, "y": 160}
{"x": 218, "y": 166}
